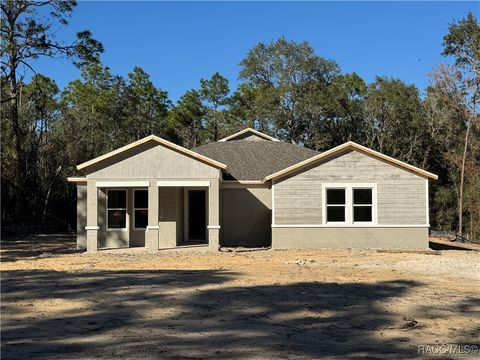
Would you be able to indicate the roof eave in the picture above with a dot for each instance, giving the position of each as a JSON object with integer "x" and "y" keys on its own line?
{"x": 73, "y": 179}
{"x": 244, "y": 182}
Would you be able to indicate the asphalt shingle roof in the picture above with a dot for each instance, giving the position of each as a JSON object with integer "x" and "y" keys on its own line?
{"x": 253, "y": 160}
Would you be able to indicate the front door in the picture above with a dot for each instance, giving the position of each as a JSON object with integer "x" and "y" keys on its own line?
{"x": 197, "y": 224}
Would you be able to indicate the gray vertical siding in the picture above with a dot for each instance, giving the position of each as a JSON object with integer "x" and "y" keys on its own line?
{"x": 401, "y": 195}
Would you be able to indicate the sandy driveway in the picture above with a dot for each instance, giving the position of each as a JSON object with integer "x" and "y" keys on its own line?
{"x": 263, "y": 305}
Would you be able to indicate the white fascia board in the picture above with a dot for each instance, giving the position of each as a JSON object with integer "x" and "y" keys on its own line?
{"x": 338, "y": 226}
{"x": 113, "y": 184}
{"x": 183, "y": 183}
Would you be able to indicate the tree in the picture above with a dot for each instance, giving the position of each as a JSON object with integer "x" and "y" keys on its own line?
{"x": 147, "y": 106}
{"x": 242, "y": 111}
{"x": 187, "y": 118}
{"x": 288, "y": 76}
{"x": 88, "y": 108}
{"x": 443, "y": 122}
{"x": 342, "y": 117}
{"x": 393, "y": 120}
{"x": 214, "y": 93}
{"x": 463, "y": 43}
{"x": 38, "y": 109}
{"x": 25, "y": 37}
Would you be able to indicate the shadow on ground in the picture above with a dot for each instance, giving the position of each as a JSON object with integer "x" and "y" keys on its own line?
{"x": 30, "y": 246}
{"x": 438, "y": 246}
{"x": 193, "y": 314}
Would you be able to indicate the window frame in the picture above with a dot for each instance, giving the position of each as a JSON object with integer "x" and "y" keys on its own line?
{"x": 349, "y": 187}
{"x": 353, "y": 205}
{"x": 127, "y": 217}
{"x": 344, "y": 205}
{"x": 135, "y": 208}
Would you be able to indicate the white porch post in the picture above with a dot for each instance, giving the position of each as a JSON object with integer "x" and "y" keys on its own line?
{"x": 92, "y": 216}
{"x": 151, "y": 236}
{"x": 213, "y": 227}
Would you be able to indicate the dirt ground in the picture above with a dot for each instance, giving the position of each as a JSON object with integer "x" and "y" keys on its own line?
{"x": 58, "y": 303}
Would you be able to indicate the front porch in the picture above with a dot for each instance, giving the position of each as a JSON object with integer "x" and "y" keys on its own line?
{"x": 153, "y": 214}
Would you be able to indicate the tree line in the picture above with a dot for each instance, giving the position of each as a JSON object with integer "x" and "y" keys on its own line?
{"x": 286, "y": 89}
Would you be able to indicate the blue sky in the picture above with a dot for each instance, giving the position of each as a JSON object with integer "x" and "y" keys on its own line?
{"x": 180, "y": 43}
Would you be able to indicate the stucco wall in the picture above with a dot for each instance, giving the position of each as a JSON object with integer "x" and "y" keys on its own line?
{"x": 180, "y": 215}
{"x": 401, "y": 195}
{"x": 150, "y": 161}
{"x": 168, "y": 216}
{"x": 310, "y": 238}
{"x": 246, "y": 216}
{"x": 81, "y": 216}
{"x": 170, "y": 221}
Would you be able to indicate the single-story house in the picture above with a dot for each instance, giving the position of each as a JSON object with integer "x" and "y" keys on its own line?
{"x": 250, "y": 189}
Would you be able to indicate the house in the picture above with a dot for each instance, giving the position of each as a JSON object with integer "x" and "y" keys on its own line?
{"x": 250, "y": 189}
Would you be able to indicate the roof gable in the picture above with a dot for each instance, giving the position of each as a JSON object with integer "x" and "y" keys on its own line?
{"x": 350, "y": 146}
{"x": 151, "y": 161}
{"x": 160, "y": 141}
{"x": 248, "y": 134}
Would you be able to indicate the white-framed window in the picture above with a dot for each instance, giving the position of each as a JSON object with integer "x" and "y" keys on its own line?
{"x": 336, "y": 205}
{"x": 140, "y": 209}
{"x": 116, "y": 209}
{"x": 362, "y": 205}
{"x": 348, "y": 204}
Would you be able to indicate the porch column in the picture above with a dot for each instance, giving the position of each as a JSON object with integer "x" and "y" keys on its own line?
{"x": 151, "y": 236}
{"x": 92, "y": 216}
{"x": 213, "y": 226}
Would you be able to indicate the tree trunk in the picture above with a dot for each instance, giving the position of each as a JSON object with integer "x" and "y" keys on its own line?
{"x": 462, "y": 177}
{"x": 21, "y": 173}
{"x": 20, "y": 207}
{"x": 47, "y": 197}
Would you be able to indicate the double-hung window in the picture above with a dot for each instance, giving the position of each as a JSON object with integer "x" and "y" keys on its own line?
{"x": 336, "y": 205}
{"x": 362, "y": 205}
{"x": 140, "y": 209}
{"x": 116, "y": 209}
{"x": 348, "y": 204}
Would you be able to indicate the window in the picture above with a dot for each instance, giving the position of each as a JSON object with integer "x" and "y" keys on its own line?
{"x": 116, "y": 209}
{"x": 348, "y": 204}
{"x": 336, "y": 205}
{"x": 362, "y": 205}
{"x": 140, "y": 209}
